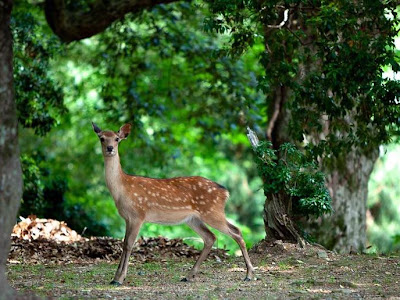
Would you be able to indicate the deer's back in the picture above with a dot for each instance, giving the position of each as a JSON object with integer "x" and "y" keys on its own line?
{"x": 185, "y": 196}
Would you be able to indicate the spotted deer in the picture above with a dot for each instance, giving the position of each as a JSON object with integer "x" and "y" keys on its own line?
{"x": 195, "y": 201}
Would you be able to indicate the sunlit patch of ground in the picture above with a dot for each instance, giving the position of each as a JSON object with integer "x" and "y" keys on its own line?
{"x": 288, "y": 273}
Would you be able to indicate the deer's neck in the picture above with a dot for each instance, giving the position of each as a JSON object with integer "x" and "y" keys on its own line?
{"x": 114, "y": 176}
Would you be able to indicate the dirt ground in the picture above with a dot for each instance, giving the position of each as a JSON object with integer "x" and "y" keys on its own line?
{"x": 284, "y": 271}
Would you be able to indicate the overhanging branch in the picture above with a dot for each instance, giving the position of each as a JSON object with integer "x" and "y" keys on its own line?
{"x": 72, "y": 25}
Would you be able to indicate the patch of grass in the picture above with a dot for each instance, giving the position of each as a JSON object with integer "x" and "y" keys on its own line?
{"x": 216, "y": 280}
{"x": 151, "y": 267}
{"x": 284, "y": 265}
{"x": 331, "y": 279}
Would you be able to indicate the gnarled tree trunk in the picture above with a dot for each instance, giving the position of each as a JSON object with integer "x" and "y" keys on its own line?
{"x": 278, "y": 222}
{"x": 10, "y": 169}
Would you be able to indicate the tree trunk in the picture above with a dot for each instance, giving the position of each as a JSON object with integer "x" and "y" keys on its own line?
{"x": 278, "y": 222}
{"x": 347, "y": 180}
{"x": 10, "y": 169}
{"x": 345, "y": 230}
{"x": 347, "y": 176}
{"x": 277, "y": 217}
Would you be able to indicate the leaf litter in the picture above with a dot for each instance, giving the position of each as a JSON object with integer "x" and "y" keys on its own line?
{"x": 39, "y": 240}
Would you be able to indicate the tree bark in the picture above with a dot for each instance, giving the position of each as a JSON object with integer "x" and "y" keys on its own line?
{"x": 72, "y": 24}
{"x": 345, "y": 230}
{"x": 278, "y": 221}
{"x": 10, "y": 168}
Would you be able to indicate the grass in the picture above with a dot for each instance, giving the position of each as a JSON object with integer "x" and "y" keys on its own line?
{"x": 278, "y": 277}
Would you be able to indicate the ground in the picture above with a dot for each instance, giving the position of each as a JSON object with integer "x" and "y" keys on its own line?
{"x": 283, "y": 271}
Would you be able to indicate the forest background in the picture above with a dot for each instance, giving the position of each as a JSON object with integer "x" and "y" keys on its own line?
{"x": 168, "y": 74}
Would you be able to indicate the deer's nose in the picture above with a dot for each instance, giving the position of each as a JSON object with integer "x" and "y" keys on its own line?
{"x": 110, "y": 148}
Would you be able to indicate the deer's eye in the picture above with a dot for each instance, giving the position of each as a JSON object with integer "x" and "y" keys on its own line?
{"x": 117, "y": 139}
{"x": 101, "y": 139}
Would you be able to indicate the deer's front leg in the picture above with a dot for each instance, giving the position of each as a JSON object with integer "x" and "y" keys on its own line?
{"x": 132, "y": 230}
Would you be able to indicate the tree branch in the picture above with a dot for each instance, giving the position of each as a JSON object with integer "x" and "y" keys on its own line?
{"x": 75, "y": 24}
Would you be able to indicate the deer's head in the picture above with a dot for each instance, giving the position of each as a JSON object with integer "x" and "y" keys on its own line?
{"x": 110, "y": 139}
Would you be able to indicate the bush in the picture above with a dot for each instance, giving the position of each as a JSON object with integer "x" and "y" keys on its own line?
{"x": 289, "y": 171}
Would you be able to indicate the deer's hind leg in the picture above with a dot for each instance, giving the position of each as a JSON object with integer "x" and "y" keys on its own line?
{"x": 208, "y": 237}
{"x": 220, "y": 223}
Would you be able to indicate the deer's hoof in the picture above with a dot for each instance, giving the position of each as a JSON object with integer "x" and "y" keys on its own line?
{"x": 115, "y": 283}
{"x": 189, "y": 278}
{"x": 247, "y": 279}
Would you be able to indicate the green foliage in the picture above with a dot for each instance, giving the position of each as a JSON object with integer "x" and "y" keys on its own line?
{"x": 383, "y": 218}
{"x": 39, "y": 97}
{"x": 40, "y": 104}
{"x": 44, "y": 196}
{"x": 166, "y": 70}
{"x": 32, "y": 198}
{"x": 330, "y": 56}
{"x": 323, "y": 76}
{"x": 162, "y": 73}
{"x": 288, "y": 171}
{"x": 189, "y": 101}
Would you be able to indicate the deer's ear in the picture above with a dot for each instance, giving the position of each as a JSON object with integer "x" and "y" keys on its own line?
{"x": 96, "y": 128}
{"x": 124, "y": 131}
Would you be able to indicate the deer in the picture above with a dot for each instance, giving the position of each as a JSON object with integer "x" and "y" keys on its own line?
{"x": 195, "y": 201}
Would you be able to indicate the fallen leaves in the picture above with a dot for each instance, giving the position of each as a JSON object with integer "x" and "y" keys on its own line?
{"x": 33, "y": 228}
{"x": 37, "y": 240}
